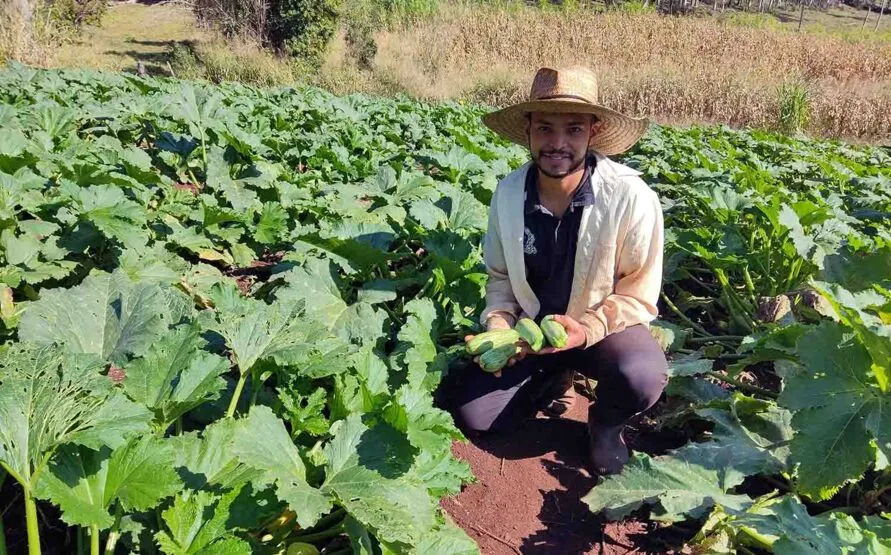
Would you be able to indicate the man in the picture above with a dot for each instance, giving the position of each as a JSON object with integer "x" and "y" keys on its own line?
{"x": 573, "y": 234}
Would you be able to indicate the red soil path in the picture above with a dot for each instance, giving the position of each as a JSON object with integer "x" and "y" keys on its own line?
{"x": 528, "y": 495}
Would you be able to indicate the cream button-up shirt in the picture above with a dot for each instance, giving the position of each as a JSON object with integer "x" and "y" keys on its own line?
{"x": 618, "y": 265}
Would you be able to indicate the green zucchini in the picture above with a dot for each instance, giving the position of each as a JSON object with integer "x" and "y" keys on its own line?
{"x": 493, "y": 339}
{"x": 554, "y": 332}
{"x": 495, "y": 359}
{"x": 530, "y": 333}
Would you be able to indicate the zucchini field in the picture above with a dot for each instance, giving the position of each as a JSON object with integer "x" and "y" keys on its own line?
{"x": 226, "y": 312}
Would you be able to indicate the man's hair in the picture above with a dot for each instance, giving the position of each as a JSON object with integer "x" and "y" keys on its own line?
{"x": 594, "y": 118}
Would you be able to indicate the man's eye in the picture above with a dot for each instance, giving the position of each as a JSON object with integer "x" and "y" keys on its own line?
{"x": 575, "y": 130}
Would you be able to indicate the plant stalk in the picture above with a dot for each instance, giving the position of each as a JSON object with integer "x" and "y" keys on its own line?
{"x": 94, "y": 540}
{"x": 31, "y": 523}
{"x": 115, "y": 532}
{"x": 3, "y": 549}
{"x": 318, "y": 536}
{"x": 683, "y": 316}
{"x": 255, "y": 388}
{"x": 238, "y": 389}
{"x": 699, "y": 340}
{"x": 743, "y": 386}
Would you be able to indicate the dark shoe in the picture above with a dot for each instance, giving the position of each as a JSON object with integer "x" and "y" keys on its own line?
{"x": 559, "y": 394}
{"x": 608, "y": 450}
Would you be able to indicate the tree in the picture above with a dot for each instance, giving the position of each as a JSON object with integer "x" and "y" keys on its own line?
{"x": 881, "y": 12}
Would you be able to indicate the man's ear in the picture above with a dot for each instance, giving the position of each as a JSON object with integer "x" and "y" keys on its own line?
{"x": 596, "y": 124}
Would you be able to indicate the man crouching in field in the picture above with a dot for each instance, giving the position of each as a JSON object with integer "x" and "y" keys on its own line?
{"x": 573, "y": 234}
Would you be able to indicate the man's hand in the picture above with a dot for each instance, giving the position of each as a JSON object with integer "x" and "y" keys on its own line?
{"x": 574, "y": 331}
{"x": 498, "y": 323}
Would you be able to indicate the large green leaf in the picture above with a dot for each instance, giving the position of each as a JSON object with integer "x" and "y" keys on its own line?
{"x": 675, "y": 487}
{"x": 107, "y": 315}
{"x": 196, "y": 524}
{"x": 175, "y": 375}
{"x": 785, "y": 524}
{"x": 838, "y": 410}
{"x": 315, "y": 285}
{"x": 368, "y": 474}
{"x": 49, "y": 398}
{"x": 85, "y": 483}
{"x": 262, "y": 442}
{"x": 208, "y": 460}
{"x": 113, "y": 214}
{"x": 854, "y": 310}
{"x": 741, "y": 445}
{"x": 431, "y": 431}
{"x": 235, "y": 191}
{"x": 447, "y": 539}
{"x": 417, "y": 345}
{"x": 258, "y": 331}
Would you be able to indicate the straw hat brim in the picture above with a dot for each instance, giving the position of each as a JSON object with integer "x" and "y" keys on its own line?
{"x": 617, "y": 133}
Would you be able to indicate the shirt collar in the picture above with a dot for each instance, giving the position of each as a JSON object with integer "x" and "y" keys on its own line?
{"x": 583, "y": 195}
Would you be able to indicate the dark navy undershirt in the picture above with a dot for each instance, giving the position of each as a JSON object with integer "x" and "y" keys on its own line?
{"x": 549, "y": 243}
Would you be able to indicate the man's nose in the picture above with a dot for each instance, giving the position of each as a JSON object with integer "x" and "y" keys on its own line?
{"x": 559, "y": 141}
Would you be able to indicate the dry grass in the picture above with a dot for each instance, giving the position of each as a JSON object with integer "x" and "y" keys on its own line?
{"x": 31, "y": 44}
{"x": 675, "y": 69}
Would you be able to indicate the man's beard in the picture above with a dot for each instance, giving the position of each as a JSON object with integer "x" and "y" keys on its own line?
{"x": 576, "y": 163}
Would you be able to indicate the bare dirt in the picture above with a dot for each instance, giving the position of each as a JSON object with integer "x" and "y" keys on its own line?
{"x": 530, "y": 483}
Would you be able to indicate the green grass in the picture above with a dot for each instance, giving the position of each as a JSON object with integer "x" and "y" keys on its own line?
{"x": 131, "y": 33}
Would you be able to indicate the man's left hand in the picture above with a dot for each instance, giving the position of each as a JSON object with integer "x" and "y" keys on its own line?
{"x": 574, "y": 331}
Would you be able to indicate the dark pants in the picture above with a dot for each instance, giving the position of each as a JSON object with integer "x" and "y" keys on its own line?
{"x": 629, "y": 367}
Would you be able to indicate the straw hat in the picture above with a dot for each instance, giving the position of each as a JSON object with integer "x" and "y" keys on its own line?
{"x": 570, "y": 90}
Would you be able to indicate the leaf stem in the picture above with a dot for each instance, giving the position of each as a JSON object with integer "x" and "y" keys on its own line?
{"x": 683, "y": 316}
{"x": 115, "y": 533}
{"x": 326, "y": 521}
{"x": 238, "y": 389}
{"x": 3, "y": 549}
{"x": 255, "y": 388}
{"x": 94, "y": 540}
{"x": 31, "y": 523}
{"x": 13, "y": 473}
{"x": 323, "y": 535}
{"x": 741, "y": 385}
{"x": 698, "y": 340}
{"x": 750, "y": 286}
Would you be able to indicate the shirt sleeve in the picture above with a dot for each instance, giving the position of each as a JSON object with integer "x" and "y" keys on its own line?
{"x": 500, "y": 299}
{"x": 639, "y": 272}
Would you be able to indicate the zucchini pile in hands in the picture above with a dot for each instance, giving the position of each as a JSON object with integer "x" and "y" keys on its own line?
{"x": 496, "y": 347}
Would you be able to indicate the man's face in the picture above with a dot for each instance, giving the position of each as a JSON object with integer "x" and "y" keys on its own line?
{"x": 559, "y": 142}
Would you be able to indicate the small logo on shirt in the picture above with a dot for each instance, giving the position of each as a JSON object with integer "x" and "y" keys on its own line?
{"x": 529, "y": 242}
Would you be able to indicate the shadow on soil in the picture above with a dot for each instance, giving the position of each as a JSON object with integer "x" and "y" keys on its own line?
{"x": 155, "y": 63}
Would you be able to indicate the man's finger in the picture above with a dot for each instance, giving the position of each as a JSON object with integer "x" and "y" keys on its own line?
{"x": 467, "y": 338}
{"x": 497, "y": 373}
{"x": 563, "y": 320}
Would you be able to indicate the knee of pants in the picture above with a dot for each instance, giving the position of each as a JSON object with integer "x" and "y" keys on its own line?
{"x": 474, "y": 416}
{"x": 645, "y": 380}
